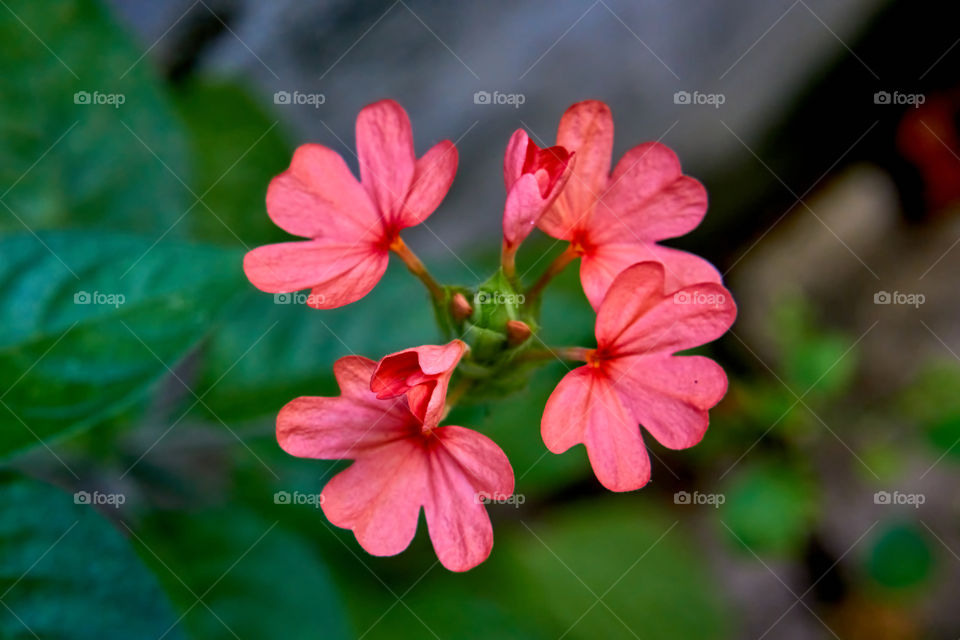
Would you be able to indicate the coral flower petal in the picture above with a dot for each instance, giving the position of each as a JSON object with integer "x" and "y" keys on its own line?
{"x": 432, "y": 176}
{"x": 423, "y": 374}
{"x": 337, "y": 273}
{"x": 670, "y": 395}
{"x": 318, "y": 196}
{"x": 386, "y": 155}
{"x": 637, "y": 318}
{"x": 587, "y": 129}
{"x": 465, "y": 468}
{"x": 585, "y": 408}
{"x": 649, "y": 198}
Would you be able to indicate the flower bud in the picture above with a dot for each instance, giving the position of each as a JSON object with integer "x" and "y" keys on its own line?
{"x": 518, "y": 332}
{"x": 460, "y": 308}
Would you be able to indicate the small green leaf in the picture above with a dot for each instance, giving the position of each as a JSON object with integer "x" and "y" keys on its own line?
{"x": 900, "y": 556}
{"x": 770, "y": 507}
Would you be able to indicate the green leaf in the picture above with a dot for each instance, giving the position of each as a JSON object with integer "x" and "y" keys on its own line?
{"x": 64, "y": 163}
{"x": 65, "y": 572}
{"x": 816, "y": 361}
{"x": 900, "y": 556}
{"x": 256, "y": 579}
{"x": 770, "y": 507}
{"x": 90, "y": 321}
{"x": 275, "y": 348}
{"x": 238, "y": 149}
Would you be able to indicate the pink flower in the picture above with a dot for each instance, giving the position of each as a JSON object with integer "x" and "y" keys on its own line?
{"x": 615, "y": 220}
{"x": 633, "y": 377}
{"x": 402, "y": 459}
{"x": 534, "y": 177}
{"x": 352, "y": 225}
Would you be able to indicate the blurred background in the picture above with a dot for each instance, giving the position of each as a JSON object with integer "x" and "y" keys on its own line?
{"x": 144, "y": 495}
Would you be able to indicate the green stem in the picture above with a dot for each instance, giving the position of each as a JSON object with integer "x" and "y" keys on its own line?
{"x": 417, "y": 268}
{"x": 559, "y": 264}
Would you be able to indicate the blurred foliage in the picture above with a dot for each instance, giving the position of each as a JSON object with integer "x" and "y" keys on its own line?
{"x": 66, "y": 161}
{"x": 49, "y": 590}
{"x": 237, "y": 148}
{"x": 231, "y": 559}
{"x": 900, "y": 556}
{"x": 933, "y": 400}
{"x": 82, "y": 341}
{"x": 770, "y": 507}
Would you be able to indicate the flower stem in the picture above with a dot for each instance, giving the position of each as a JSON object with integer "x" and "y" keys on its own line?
{"x": 559, "y": 264}
{"x": 578, "y": 354}
{"x": 508, "y": 257}
{"x": 417, "y": 268}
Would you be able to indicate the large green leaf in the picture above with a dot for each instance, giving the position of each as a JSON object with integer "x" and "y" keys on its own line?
{"x": 90, "y": 321}
{"x": 66, "y": 162}
{"x": 256, "y": 579}
{"x": 65, "y": 572}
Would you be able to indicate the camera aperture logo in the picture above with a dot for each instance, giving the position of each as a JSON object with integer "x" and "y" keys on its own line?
{"x": 912, "y": 499}
{"x": 97, "y": 98}
{"x": 699, "y": 298}
{"x": 498, "y": 297}
{"x": 112, "y": 299}
{"x": 297, "y": 97}
{"x": 299, "y": 297}
{"x": 897, "y": 98}
{"x": 897, "y": 297}
{"x": 484, "y": 497}
{"x": 299, "y": 498}
{"x": 712, "y": 499}
{"x": 100, "y": 499}
{"x": 696, "y": 97}
{"x": 512, "y": 99}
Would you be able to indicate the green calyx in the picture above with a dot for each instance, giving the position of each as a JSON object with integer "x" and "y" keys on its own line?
{"x": 498, "y": 327}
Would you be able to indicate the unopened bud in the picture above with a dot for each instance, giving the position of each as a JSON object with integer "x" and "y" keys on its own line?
{"x": 517, "y": 332}
{"x": 460, "y": 308}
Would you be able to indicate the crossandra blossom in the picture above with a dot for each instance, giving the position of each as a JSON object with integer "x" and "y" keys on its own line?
{"x": 351, "y": 225}
{"x": 534, "y": 177}
{"x": 387, "y": 421}
{"x": 634, "y": 377}
{"x": 614, "y": 220}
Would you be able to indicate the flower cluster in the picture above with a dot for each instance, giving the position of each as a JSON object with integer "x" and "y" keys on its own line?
{"x": 650, "y": 302}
